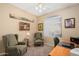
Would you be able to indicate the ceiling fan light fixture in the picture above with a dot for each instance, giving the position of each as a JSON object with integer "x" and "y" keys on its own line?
{"x": 39, "y": 7}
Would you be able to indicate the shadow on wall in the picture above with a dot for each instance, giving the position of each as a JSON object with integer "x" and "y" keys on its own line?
{"x": 1, "y": 46}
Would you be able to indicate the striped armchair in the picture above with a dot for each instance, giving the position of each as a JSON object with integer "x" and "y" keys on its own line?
{"x": 12, "y": 46}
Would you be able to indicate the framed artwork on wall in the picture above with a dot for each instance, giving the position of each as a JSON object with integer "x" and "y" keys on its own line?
{"x": 70, "y": 23}
{"x": 40, "y": 27}
{"x": 24, "y": 26}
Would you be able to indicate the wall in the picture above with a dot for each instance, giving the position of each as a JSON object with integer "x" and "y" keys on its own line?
{"x": 9, "y": 25}
{"x": 69, "y": 12}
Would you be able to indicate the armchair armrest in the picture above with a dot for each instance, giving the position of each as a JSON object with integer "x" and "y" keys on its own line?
{"x": 21, "y": 43}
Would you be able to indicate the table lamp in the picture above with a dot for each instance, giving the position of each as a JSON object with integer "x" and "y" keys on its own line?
{"x": 28, "y": 35}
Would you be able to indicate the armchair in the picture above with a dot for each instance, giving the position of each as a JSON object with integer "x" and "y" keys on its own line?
{"x": 12, "y": 47}
{"x": 38, "y": 40}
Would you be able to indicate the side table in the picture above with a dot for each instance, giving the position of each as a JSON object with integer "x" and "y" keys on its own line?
{"x": 27, "y": 42}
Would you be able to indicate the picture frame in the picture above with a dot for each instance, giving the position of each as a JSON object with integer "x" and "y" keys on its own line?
{"x": 40, "y": 27}
{"x": 70, "y": 23}
{"x": 24, "y": 26}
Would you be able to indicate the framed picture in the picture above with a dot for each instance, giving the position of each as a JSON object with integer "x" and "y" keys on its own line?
{"x": 24, "y": 26}
{"x": 40, "y": 27}
{"x": 70, "y": 23}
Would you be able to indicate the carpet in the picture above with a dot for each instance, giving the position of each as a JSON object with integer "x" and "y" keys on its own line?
{"x": 38, "y": 51}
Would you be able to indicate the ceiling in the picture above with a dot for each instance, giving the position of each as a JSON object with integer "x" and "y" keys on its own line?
{"x": 49, "y": 7}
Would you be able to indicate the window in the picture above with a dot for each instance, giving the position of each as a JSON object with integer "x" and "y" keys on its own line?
{"x": 52, "y": 26}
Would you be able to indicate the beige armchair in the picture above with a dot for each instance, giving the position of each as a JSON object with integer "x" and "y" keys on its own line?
{"x": 12, "y": 46}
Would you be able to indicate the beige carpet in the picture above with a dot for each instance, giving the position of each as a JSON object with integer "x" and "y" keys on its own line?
{"x": 38, "y": 51}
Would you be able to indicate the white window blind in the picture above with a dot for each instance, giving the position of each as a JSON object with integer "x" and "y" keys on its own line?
{"x": 52, "y": 26}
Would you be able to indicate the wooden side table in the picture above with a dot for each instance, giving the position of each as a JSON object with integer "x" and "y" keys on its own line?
{"x": 27, "y": 42}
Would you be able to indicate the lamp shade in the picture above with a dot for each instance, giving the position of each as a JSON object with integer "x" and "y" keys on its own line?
{"x": 28, "y": 34}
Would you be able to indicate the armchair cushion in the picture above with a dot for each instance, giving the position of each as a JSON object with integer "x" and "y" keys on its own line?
{"x": 20, "y": 49}
{"x": 12, "y": 50}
